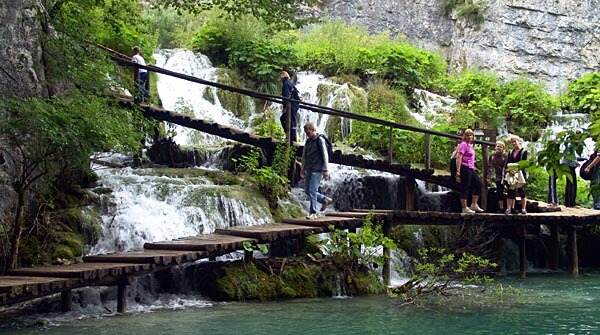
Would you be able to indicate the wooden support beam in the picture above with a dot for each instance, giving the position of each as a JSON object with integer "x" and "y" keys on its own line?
{"x": 386, "y": 272}
{"x": 122, "y": 297}
{"x": 248, "y": 255}
{"x": 410, "y": 189}
{"x": 427, "y": 151}
{"x": 572, "y": 250}
{"x": 522, "y": 251}
{"x": 553, "y": 247}
{"x": 66, "y": 300}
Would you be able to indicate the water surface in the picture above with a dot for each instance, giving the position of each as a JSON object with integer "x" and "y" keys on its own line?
{"x": 550, "y": 304}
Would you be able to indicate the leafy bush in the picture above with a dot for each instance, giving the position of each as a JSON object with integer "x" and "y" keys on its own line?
{"x": 527, "y": 108}
{"x": 271, "y": 180}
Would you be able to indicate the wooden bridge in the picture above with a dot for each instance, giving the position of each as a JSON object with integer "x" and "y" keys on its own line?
{"x": 122, "y": 268}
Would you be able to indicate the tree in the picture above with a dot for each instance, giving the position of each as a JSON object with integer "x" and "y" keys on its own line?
{"x": 45, "y": 138}
{"x": 281, "y": 14}
{"x": 45, "y": 135}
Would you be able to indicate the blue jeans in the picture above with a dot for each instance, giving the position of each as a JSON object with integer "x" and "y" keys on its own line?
{"x": 311, "y": 186}
{"x": 143, "y": 77}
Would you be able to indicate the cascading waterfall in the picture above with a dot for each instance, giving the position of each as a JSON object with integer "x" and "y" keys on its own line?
{"x": 146, "y": 206}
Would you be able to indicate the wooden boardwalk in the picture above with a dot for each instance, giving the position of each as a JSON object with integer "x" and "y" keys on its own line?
{"x": 269, "y": 144}
{"x": 122, "y": 268}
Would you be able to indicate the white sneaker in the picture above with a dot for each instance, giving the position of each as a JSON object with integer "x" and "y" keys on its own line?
{"x": 312, "y": 217}
{"x": 468, "y": 210}
{"x": 476, "y": 208}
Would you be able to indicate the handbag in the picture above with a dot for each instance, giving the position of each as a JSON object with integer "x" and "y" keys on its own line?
{"x": 587, "y": 175}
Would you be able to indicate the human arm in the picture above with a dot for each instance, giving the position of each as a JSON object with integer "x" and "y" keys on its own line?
{"x": 325, "y": 156}
{"x": 594, "y": 163}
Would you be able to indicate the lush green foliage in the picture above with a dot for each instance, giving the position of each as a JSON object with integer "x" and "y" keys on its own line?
{"x": 583, "y": 95}
{"x": 347, "y": 250}
{"x": 332, "y": 48}
{"x": 483, "y": 98}
{"x": 280, "y": 14}
{"x": 527, "y": 108}
{"x": 271, "y": 180}
{"x": 247, "y": 46}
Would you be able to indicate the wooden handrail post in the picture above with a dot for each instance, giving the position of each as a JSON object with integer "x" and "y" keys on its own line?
{"x": 427, "y": 151}
{"x": 390, "y": 144}
{"x": 484, "y": 175}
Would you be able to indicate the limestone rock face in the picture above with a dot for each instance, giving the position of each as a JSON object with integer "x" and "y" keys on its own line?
{"x": 21, "y": 75}
{"x": 549, "y": 41}
{"x": 20, "y": 55}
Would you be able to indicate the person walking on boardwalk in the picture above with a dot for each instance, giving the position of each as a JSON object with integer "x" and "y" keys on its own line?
{"x": 315, "y": 161}
{"x": 496, "y": 164}
{"x": 466, "y": 175}
{"x": 595, "y": 181}
{"x": 516, "y": 155}
{"x": 290, "y": 108}
{"x": 140, "y": 75}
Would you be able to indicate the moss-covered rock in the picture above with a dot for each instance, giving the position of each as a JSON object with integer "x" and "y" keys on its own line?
{"x": 240, "y": 105}
{"x": 278, "y": 278}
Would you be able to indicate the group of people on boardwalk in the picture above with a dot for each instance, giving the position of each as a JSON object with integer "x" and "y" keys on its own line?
{"x": 502, "y": 166}
{"x": 506, "y": 174}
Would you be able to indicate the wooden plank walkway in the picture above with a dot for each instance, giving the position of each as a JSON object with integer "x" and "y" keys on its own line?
{"x": 119, "y": 268}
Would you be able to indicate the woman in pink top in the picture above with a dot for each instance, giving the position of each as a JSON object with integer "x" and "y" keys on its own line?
{"x": 466, "y": 175}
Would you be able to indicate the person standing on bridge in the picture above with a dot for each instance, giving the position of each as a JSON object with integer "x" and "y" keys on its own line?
{"x": 315, "y": 160}
{"x": 516, "y": 155}
{"x": 466, "y": 175}
{"x": 290, "y": 108}
{"x": 497, "y": 162}
{"x": 595, "y": 181}
{"x": 140, "y": 75}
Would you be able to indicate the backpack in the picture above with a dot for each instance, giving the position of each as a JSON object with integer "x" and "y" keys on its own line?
{"x": 327, "y": 144}
{"x": 295, "y": 94}
{"x": 587, "y": 175}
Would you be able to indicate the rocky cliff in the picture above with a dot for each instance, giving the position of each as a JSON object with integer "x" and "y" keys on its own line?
{"x": 550, "y": 41}
{"x": 21, "y": 75}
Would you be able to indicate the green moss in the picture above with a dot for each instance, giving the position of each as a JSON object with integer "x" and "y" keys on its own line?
{"x": 239, "y": 104}
{"x": 278, "y": 278}
{"x": 209, "y": 95}
{"x": 197, "y": 176}
{"x": 287, "y": 209}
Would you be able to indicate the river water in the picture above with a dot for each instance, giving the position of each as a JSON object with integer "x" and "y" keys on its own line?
{"x": 550, "y": 303}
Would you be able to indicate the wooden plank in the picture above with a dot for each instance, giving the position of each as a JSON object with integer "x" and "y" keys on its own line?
{"x": 158, "y": 257}
{"x": 85, "y": 271}
{"x": 324, "y": 222}
{"x": 19, "y": 285}
{"x": 270, "y": 232}
{"x": 206, "y": 242}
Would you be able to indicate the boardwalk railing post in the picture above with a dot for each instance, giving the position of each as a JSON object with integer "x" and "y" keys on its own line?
{"x": 66, "y": 300}
{"x": 391, "y": 144}
{"x": 410, "y": 187}
{"x": 427, "y": 151}
{"x": 122, "y": 296}
{"x": 554, "y": 245}
{"x": 522, "y": 251}
{"x": 572, "y": 250}
{"x": 484, "y": 166}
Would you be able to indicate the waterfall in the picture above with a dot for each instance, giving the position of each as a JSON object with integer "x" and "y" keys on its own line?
{"x": 148, "y": 206}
